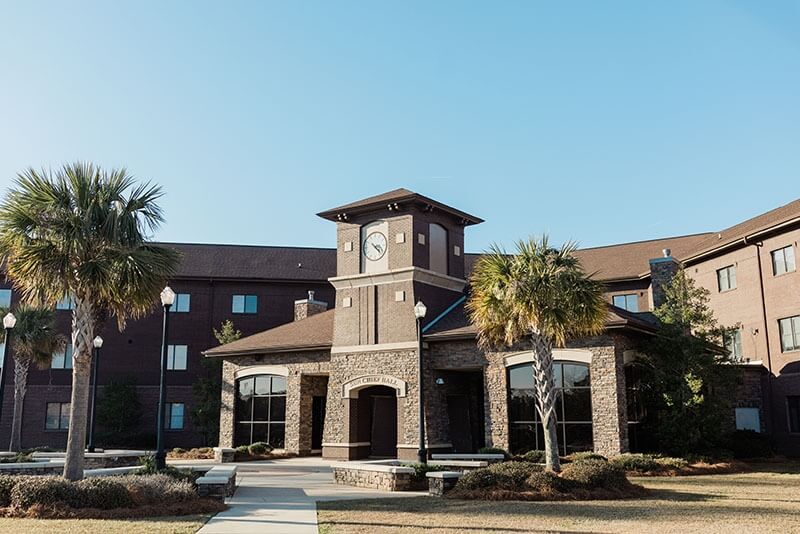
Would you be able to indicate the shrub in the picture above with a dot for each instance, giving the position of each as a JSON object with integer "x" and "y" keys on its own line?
{"x": 20, "y": 457}
{"x": 512, "y": 475}
{"x": 259, "y": 448}
{"x": 591, "y": 474}
{"x": 47, "y": 491}
{"x": 243, "y": 449}
{"x": 7, "y": 483}
{"x": 668, "y": 462}
{"x": 588, "y": 455}
{"x": 478, "y": 479}
{"x": 493, "y": 450}
{"x": 545, "y": 482}
{"x": 420, "y": 470}
{"x": 101, "y": 492}
{"x": 643, "y": 463}
{"x": 535, "y": 456}
{"x": 157, "y": 489}
{"x": 178, "y": 450}
{"x": 750, "y": 444}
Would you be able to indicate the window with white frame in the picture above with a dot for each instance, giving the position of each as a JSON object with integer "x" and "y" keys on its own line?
{"x": 244, "y": 304}
{"x": 176, "y": 357}
{"x": 174, "y": 419}
{"x": 748, "y": 419}
{"x": 57, "y": 417}
{"x": 726, "y": 278}
{"x": 733, "y": 342}
{"x": 790, "y": 333}
{"x": 783, "y": 260}
{"x": 628, "y": 302}
{"x": 5, "y": 298}
{"x": 66, "y": 303}
{"x": 62, "y": 359}
{"x": 182, "y": 303}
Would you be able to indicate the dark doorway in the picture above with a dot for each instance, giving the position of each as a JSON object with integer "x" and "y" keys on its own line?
{"x": 458, "y": 411}
{"x": 384, "y": 426}
{"x": 317, "y": 421}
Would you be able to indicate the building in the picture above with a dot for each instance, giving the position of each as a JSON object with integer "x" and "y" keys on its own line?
{"x": 318, "y": 373}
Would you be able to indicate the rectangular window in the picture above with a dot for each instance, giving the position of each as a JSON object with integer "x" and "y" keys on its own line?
{"x": 726, "y": 277}
{"x": 5, "y": 298}
{"x": 627, "y": 302}
{"x": 57, "y": 416}
{"x": 174, "y": 419}
{"x": 245, "y": 304}
{"x": 176, "y": 357}
{"x": 67, "y": 303}
{"x": 793, "y": 411}
{"x": 63, "y": 359}
{"x": 783, "y": 260}
{"x": 748, "y": 419}
{"x": 182, "y": 303}
{"x": 733, "y": 342}
{"x": 790, "y": 333}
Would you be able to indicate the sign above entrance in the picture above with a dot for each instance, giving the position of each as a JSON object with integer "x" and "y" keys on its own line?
{"x": 351, "y": 388}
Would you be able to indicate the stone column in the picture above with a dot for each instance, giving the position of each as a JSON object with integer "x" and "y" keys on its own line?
{"x": 609, "y": 410}
{"x": 495, "y": 397}
{"x": 227, "y": 402}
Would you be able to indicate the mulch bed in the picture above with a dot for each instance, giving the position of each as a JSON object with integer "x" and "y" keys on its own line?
{"x": 199, "y": 506}
{"x": 700, "y": 468}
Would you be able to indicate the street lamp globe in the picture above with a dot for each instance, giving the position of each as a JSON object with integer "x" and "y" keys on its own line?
{"x": 420, "y": 310}
{"x": 97, "y": 342}
{"x": 167, "y": 296}
{"x": 9, "y": 321}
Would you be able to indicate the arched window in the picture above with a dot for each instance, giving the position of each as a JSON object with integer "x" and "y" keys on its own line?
{"x": 260, "y": 411}
{"x": 438, "y": 248}
{"x": 573, "y": 408}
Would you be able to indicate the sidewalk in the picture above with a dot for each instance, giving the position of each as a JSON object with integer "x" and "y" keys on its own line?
{"x": 280, "y": 496}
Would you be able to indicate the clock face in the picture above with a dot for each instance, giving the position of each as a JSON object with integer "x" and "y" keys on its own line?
{"x": 374, "y": 246}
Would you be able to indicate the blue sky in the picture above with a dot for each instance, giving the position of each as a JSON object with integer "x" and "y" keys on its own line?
{"x": 601, "y": 122}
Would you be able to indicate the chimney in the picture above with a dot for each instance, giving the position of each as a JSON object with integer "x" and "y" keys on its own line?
{"x": 662, "y": 271}
{"x": 308, "y": 307}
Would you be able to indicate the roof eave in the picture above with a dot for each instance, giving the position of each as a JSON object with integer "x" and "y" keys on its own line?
{"x": 265, "y": 350}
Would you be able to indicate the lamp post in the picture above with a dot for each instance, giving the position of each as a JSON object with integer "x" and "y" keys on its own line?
{"x": 167, "y": 299}
{"x": 9, "y": 322}
{"x": 98, "y": 343}
{"x": 419, "y": 312}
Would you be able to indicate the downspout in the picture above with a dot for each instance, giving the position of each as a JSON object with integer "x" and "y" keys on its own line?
{"x": 758, "y": 246}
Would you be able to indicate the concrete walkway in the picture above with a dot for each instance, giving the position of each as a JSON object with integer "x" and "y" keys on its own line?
{"x": 280, "y": 496}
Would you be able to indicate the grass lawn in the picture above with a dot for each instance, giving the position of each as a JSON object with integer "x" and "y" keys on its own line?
{"x": 767, "y": 500}
{"x": 156, "y": 525}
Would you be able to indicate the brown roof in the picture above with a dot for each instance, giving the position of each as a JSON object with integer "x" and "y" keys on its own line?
{"x": 627, "y": 260}
{"x": 398, "y": 196}
{"x": 254, "y": 262}
{"x": 456, "y": 324}
{"x": 786, "y": 214}
{"x": 312, "y": 333}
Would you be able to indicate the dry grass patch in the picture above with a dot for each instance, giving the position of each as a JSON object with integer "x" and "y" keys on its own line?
{"x": 171, "y": 525}
{"x": 767, "y": 500}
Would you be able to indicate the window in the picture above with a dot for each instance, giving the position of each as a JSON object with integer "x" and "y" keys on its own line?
{"x": 733, "y": 343}
{"x": 790, "y": 333}
{"x": 67, "y": 303}
{"x": 57, "y": 416}
{"x": 783, "y": 260}
{"x": 748, "y": 419}
{"x": 726, "y": 277}
{"x": 174, "y": 416}
{"x": 627, "y": 302}
{"x": 176, "y": 357}
{"x": 573, "y": 408}
{"x": 63, "y": 359}
{"x": 437, "y": 248}
{"x": 793, "y": 411}
{"x": 245, "y": 304}
{"x": 182, "y": 303}
{"x": 260, "y": 411}
{"x": 5, "y": 298}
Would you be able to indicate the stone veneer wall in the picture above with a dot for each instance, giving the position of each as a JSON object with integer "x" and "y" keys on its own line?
{"x": 298, "y": 364}
{"x": 380, "y": 480}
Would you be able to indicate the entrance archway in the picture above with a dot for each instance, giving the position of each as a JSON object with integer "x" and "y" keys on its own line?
{"x": 376, "y": 415}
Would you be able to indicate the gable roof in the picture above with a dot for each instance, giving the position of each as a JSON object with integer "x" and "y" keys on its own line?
{"x": 397, "y": 196}
{"x": 738, "y": 234}
{"x": 315, "y": 332}
{"x": 254, "y": 262}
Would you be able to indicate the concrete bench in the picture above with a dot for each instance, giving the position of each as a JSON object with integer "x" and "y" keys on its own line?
{"x": 218, "y": 482}
{"x": 488, "y": 457}
{"x": 440, "y": 482}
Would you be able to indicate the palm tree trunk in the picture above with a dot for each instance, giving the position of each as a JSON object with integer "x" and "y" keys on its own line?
{"x": 82, "y": 335}
{"x": 21, "y": 366}
{"x": 544, "y": 380}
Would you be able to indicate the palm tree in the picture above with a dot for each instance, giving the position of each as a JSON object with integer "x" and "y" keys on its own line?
{"x": 35, "y": 341}
{"x": 540, "y": 294}
{"x": 82, "y": 231}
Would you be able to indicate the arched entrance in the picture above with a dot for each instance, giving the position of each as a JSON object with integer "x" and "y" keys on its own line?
{"x": 376, "y": 408}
